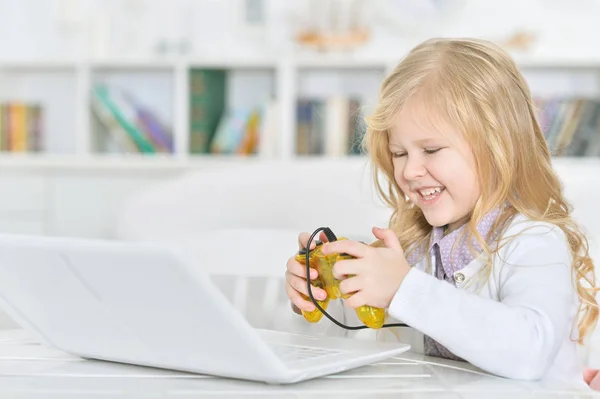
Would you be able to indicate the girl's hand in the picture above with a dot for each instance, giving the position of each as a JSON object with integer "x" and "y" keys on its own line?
{"x": 592, "y": 378}
{"x": 378, "y": 272}
{"x": 295, "y": 278}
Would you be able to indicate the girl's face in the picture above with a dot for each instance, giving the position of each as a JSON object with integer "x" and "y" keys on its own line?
{"x": 436, "y": 170}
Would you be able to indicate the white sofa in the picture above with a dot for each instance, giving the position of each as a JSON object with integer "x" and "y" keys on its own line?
{"x": 300, "y": 196}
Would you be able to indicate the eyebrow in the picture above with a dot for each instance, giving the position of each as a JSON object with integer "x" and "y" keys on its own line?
{"x": 418, "y": 142}
{"x": 427, "y": 141}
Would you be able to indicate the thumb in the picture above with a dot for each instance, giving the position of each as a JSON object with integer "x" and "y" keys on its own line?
{"x": 388, "y": 237}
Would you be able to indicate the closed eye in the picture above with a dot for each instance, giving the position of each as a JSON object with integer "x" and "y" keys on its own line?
{"x": 425, "y": 150}
{"x": 431, "y": 150}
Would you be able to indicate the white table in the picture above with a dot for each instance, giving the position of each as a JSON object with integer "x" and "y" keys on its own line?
{"x": 31, "y": 370}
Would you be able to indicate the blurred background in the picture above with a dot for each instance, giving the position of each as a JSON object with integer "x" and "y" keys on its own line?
{"x": 112, "y": 112}
{"x": 100, "y": 98}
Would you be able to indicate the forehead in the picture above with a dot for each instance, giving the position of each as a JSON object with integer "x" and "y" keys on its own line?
{"x": 414, "y": 123}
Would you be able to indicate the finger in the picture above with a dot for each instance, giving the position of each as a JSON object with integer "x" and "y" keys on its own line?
{"x": 595, "y": 383}
{"x": 299, "y": 269}
{"x": 323, "y": 237}
{"x": 388, "y": 237}
{"x": 589, "y": 374}
{"x": 353, "y": 248}
{"x": 295, "y": 308}
{"x": 350, "y": 285}
{"x": 343, "y": 268}
{"x": 298, "y": 301}
{"x": 304, "y": 237}
{"x": 355, "y": 300}
{"x": 300, "y": 285}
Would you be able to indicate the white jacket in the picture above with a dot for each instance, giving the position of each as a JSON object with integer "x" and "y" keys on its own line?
{"x": 520, "y": 323}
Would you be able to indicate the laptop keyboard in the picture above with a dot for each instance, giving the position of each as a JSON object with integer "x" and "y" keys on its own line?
{"x": 294, "y": 353}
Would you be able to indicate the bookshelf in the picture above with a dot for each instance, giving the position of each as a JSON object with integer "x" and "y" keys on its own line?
{"x": 53, "y": 191}
{"x": 71, "y": 133}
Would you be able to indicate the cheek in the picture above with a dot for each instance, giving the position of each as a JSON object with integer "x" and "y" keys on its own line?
{"x": 399, "y": 174}
{"x": 471, "y": 179}
{"x": 468, "y": 171}
{"x": 456, "y": 174}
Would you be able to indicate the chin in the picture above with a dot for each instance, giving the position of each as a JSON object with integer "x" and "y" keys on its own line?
{"x": 436, "y": 221}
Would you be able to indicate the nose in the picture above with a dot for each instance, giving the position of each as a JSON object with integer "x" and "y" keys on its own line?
{"x": 414, "y": 168}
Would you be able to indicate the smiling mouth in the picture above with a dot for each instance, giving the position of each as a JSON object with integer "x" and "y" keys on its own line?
{"x": 431, "y": 193}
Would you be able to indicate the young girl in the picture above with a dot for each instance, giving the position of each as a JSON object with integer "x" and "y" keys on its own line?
{"x": 481, "y": 258}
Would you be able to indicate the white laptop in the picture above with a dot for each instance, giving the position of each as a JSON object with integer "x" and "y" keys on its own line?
{"x": 143, "y": 304}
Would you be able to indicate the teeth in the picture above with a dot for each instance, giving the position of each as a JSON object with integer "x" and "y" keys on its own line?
{"x": 430, "y": 191}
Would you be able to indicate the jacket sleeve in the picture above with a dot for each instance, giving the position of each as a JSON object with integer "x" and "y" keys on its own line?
{"x": 517, "y": 336}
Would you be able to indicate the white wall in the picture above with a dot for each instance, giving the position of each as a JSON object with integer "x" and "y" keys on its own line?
{"x": 66, "y": 28}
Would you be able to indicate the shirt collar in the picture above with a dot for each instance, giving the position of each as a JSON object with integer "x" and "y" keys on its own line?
{"x": 455, "y": 255}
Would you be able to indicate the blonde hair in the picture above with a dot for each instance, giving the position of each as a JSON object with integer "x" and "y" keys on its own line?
{"x": 476, "y": 87}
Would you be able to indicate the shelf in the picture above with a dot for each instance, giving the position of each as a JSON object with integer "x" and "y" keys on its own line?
{"x": 39, "y": 66}
{"x": 342, "y": 62}
{"x": 310, "y": 60}
{"x": 541, "y": 61}
{"x": 45, "y": 162}
{"x": 233, "y": 62}
{"x": 221, "y": 63}
{"x": 112, "y": 161}
{"x": 124, "y": 64}
{"x": 553, "y": 61}
{"x": 141, "y": 63}
{"x": 165, "y": 162}
{"x": 64, "y": 88}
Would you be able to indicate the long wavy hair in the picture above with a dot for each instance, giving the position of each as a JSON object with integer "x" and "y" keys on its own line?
{"x": 475, "y": 86}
